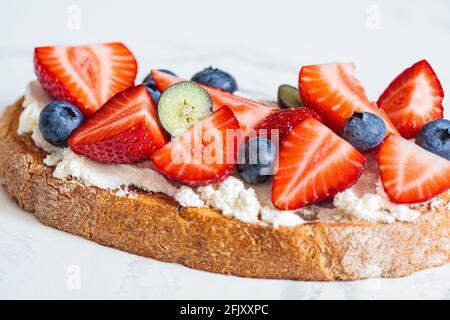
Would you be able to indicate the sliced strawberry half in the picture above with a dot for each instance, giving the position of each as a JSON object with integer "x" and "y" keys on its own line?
{"x": 124, "y": 130}
{"x": 284, "y": 120}
{"x": 334, "y": 92}
{"x": 409, "y": 173}
{"x": 205, "y": 154}
{"x": 413, "y": 99}
{"x": 314, "y": 164}
{"x": 86, "y": 76}
{"x": 249, "y": 113}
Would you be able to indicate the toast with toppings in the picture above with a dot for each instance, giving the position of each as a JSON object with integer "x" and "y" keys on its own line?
{"x": 155, "y": 226}
{"x": 169, "y": 169}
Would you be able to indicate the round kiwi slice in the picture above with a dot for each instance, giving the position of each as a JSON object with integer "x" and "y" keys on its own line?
{"x": 288, "y": 97}
{"x": 183, "y": 105}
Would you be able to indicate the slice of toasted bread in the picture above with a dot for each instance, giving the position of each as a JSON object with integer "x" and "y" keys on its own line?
{"x": 154, "y": 225}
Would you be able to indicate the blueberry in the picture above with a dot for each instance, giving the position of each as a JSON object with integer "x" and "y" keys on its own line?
{"x": 435, "y": 137}
{"x": 364, "y": 130}
{"x": 155, "y": 93}
{"x": 182, "y": 106}
{"x": 57, "y": 121}
{"x": 256, "y": 159}
{"x": 216, "y": 78}
{"x": 289, "y": 97}
{"x": 150, "y": 84}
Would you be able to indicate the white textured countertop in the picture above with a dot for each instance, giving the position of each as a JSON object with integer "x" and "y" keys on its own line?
{"x": 262, "y": 46}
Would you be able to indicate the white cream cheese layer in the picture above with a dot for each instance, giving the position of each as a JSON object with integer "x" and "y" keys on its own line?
{"x": 108, "y": 176}
{"x": 35, "y": 100}
{"x": 366, "y": 200}
{"x": 250, "y": 204}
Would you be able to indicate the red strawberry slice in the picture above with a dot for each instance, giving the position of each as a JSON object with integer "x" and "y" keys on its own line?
{"x": 124, "y": 130}
{"x": 409, "y": 173}
{"x": 413, "y": 99}
{"x": 205, "y": 154}
{"x": 334, "y": 92}
{"x": 284, "y": 120}
{"x": 314, "y": 164}
{"x": 249, "y": 113}
{"x": 86, "y": 76}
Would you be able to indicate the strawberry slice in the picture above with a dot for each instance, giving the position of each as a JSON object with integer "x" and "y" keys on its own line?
{"x": 124, "y": 130}
{"x": 205, "y": 154}
{"x": 314, "y": 164}
{"x": 284, "y": 120}
{"x": 249, "y": 113}
{"x": 413, "y": 99}
{"x": 86, "y": 76}
{"x": 409, "y": 173}
{"x": 333, "y": 91}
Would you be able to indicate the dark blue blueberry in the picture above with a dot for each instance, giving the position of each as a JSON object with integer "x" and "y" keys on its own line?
{"x": 155, "y": 93}
{"x": 435, "y": 137}
{"x": 57, "y": 121}
{"x": 150, "y": 84}
{"x": 216, "y": 78}
{"x": 256, "y": 159}
{"x": 364, "y": 130}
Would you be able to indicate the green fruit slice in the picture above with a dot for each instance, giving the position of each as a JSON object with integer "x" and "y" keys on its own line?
{"x": 289, "y": 97}
{"x": 183, "y": 105}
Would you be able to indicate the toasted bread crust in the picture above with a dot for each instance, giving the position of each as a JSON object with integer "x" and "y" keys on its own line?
{"x": 154, "y": 225}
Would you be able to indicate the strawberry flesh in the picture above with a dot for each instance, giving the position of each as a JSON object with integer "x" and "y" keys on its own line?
{"x": 205, "y": 154}
{"x": 314, "y": 164}
{"x": 124, "y": 130}
{"x": 413, "y": 99}
{"x": 285, "y": 120}
{"x": 86, "y": 76}
{"x": 249, "y": 113}
{"x": 334, "y": 92}
{"x": 409, "y": 173}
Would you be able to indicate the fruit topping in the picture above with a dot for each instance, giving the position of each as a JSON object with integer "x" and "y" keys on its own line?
{"x": 435, "y": 137}
{"x": 314, "y": 164}
{"x": 249, "y": 113}
{"x": 124, "y": 130}
{"x": 256, "y": 160}
{"x": 216, "y": 78}
{"x": 182, "y": 106}
{"x": 409, "y": 173}
{"x": 288, "y": 97}
{"x": 284, "y": 121}
{"x": 364, "y": 130}
{"x": 85, "y": 76}
{"x": 205, "y": 154}
{"x": 334, "y": 92}
{"x": 57, "y": 121}
{"x": 149, "y": 83}
{"x": 413, "y": 99}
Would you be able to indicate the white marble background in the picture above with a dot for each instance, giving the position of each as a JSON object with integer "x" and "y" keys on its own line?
{"x": 263, "y": 44}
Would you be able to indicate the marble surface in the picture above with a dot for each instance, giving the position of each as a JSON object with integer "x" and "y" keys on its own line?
{"x": 263, "y": 44}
